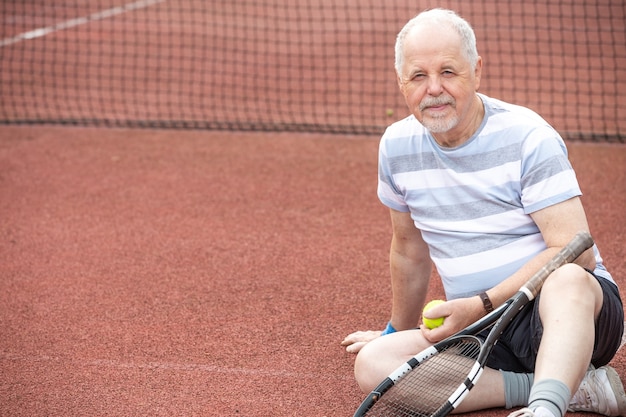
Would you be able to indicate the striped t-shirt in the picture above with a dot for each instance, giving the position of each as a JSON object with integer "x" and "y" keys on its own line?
{"x": 473, "y": 203}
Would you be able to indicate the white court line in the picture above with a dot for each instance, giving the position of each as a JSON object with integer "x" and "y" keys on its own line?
{"x": 104, "y": 14}
{"x": 175, "y": 367}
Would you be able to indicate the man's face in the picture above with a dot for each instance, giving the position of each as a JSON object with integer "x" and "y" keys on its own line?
{"x": 437, "y": 80}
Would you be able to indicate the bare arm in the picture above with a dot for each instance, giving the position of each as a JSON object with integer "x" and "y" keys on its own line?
{"x": 558, "y": 225}
{"x": 411, "y": 267}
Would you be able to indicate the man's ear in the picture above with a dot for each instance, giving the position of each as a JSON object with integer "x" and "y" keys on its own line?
{"x": 478, "y": 72}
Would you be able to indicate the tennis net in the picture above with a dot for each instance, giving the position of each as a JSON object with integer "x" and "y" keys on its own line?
{"x": 318, "y": 66}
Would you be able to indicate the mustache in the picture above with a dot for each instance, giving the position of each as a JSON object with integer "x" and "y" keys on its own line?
{"x": 436, "y": 101}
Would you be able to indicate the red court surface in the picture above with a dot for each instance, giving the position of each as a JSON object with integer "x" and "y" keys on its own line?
{"x": 195, "y": 273}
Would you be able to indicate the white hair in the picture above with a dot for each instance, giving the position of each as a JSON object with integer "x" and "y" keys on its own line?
{"x": 441, "y": 17}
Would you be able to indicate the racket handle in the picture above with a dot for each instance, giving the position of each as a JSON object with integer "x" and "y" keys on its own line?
{"x": 580, "y": 243}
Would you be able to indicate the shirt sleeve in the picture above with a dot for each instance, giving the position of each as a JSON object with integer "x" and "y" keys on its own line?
{"x": 547, "y": 177}
{"x": 388, "y": 192}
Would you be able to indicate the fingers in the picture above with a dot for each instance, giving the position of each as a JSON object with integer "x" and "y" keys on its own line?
{"x": 361, "y": 336}
{"x": 355, "y": 347}
{"x": 355, "y": 341}
{"x": 437, "y": 334}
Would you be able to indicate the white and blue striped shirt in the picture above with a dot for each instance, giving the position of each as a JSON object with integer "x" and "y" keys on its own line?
{"x": 472, "y": 203}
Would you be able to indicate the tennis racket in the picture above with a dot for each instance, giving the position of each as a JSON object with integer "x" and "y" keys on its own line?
{"x": 435, "y": 381}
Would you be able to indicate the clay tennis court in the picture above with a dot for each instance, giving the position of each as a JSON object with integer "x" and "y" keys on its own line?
{"x": 180, "y": 272}
{"x": 193, "y": 273}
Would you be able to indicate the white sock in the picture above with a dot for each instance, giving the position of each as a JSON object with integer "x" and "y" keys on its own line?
{"x": 550, "y": 394}
{"x": 543, "y": 412}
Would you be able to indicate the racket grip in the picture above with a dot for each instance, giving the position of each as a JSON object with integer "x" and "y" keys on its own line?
{"x": 580, "y": 243}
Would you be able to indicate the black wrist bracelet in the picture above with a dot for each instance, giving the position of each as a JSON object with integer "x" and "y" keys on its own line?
{"x": 486, "y": 302}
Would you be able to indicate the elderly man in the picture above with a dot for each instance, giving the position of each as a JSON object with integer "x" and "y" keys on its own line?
{"x": 484, "y": 190}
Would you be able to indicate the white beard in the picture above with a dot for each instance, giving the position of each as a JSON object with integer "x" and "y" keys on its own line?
{"x": 440, "y": 124}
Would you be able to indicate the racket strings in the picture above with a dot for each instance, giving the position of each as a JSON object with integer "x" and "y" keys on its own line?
{"x": 428, "y": 387}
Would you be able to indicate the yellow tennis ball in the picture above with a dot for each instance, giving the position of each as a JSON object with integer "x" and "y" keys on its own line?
{"x": 432, "y": 323}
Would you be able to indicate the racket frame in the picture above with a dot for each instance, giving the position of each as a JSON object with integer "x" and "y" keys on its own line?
{"x": 498, "y": 319}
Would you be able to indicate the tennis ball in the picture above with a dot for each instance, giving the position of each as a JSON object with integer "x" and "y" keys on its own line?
{"x": 432, "y": 323}
{"x": 389, "y": 112}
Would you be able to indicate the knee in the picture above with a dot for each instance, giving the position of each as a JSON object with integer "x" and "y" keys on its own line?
{"x": 382, "y": 356}
{"x": 570, "y": 277}
{"x": 367, "y": 366}
{"x": 574, "y": 283}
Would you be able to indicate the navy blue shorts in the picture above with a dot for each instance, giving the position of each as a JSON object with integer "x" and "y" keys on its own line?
{"x": 517, "y": 348}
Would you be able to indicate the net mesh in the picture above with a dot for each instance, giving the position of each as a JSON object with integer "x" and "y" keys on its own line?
{"x": 319, "y": 66}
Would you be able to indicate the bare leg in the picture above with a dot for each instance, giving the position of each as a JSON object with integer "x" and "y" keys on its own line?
{"x": 571, "y": 300}
{"x": 382, "y": 356}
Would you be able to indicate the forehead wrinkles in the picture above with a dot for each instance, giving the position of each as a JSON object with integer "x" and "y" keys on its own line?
{"x": 421, "y": 56}
{"x": 429, "y": 43}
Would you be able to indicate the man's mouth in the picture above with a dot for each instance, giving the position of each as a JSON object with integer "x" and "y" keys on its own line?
{"x": 435, "y": 105}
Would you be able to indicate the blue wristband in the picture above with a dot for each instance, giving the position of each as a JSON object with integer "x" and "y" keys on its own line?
{"x": 389, "y": 329}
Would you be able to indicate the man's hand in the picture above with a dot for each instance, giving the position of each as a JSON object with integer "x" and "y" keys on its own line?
{"x": 458, "y": 313}
{"x": 355, "y": 341}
